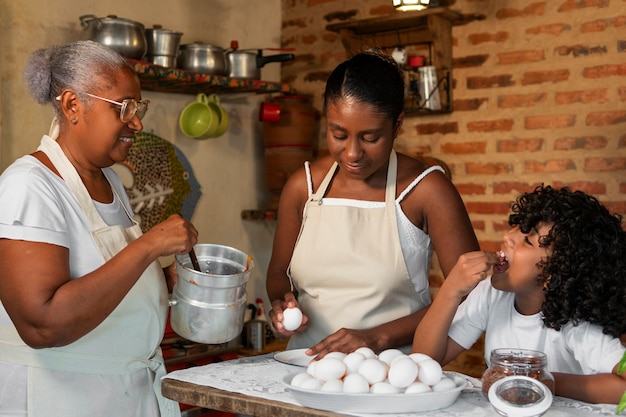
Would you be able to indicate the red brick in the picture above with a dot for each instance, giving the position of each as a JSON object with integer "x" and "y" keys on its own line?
{"x": 432, "y": 128}
{"x": 417, "y": 151}
{"x": 502, "y": 226}
{"x": 298, "y": 23}
{"x": 308, "y": 39}
{"x": 534, "y": 9}
{"x": 340, "y": 16}
{"x": 478, "y": 38}
{"x": 605, "y": 118}
{"x": 605, "y": 164}
{"x": 520, "y": 145}
{"x": 491, "y": 246}
{"x": 622, "y": 188}
{"x": 469, "y": 189}
{"x": 603, "y": 24}
{"x": 580, "y": 142}
{"x": 464, "y": 148}
{"x": 552, "y": 29}
{"x": 486, "y": 207}
{"x": 488, "y": 168}
{"x": 317, "y": 76}
{"x": 502, "y": 125}
{"x": 505, "y": 80}
{"x": 621, "y": 92}
{"x": 570, "y": 5}
{"x": 586, "y": 97}
{"x": 603, "y": 71}
{"x": 553, "y": 165}
{"x": 508, "y": 187}
{"x": 478, "y": 225}
{"x": 469, "y": 104}
{"x": 550, "y": 121}
{"x": 520, "y": 57}
{"x": 538, "y": 77}
{"x": 581, "y": 50}
{"x": 330, "y": 37}
{"x": 618, "y": 207}
{"x": 595, "y": 188}
{"x": 470, "y": 61}
{"x": 521, "y": 100}
{"x": 622, "y": 142}
{"x": 306, "y": 59}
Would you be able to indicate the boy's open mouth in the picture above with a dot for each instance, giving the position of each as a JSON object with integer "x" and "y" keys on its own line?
{"x": 502, "y": 265}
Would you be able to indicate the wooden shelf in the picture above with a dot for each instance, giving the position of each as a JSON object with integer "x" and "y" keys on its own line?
{"x": 175, "y": 80}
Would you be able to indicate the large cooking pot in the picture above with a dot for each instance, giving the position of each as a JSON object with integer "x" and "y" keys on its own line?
{"x": 202, "y": 58}
{"x": 162, "y": 41}
{"x": 208, "y": 305}
{"x": 247, "y": 63}
{"x": 124, "y": 36}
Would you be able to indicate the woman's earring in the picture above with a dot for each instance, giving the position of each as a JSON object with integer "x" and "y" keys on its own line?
{"x": 74, "y": 120}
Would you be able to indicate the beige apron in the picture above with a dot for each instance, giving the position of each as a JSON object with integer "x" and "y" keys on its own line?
{"x": 348, "y": 267}
{"x": 72, "y": 379}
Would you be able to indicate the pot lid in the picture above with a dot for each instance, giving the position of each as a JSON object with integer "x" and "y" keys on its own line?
{"x": 520, "y": 396}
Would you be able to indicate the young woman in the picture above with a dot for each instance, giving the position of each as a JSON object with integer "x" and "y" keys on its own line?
{"x": 84, "y": 298}
{"x": 558, "y": 286}
{"x": 356, "y": 229}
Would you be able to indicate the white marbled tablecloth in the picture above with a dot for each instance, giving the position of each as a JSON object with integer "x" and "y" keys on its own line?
{"x": 261, "y": 376}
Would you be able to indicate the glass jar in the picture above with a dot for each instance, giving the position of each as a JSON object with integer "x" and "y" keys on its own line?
{"x": 507, "y": 362}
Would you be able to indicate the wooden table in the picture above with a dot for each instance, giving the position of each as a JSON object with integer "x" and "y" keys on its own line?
{"x": 232, "y": 402}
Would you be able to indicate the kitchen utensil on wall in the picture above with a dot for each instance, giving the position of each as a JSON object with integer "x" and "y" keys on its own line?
{"x": 429, "y": 88}
{"x": 269, "y": 112}
{"x": 125, "y": 36}
{"x": 208, "y": 306}
{"x": 198, "y": 120}
{"x": 162, "y": 46}
{"x": 202, "y": 58}
{"x": 247, "y": 63}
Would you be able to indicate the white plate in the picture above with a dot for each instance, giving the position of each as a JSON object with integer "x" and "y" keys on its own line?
{"x": 378, "y": 403}
{"x": 294, "y": 357}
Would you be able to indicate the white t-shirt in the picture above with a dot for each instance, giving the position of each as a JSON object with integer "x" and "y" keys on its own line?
{"x": 581, "y": 349}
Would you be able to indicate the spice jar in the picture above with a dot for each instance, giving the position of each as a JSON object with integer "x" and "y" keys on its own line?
{"x": 507, "y": 362}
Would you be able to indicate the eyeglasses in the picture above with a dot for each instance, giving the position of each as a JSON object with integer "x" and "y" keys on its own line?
{"x": 129, "y": 107}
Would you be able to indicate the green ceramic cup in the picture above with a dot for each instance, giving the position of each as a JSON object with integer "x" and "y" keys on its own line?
{"x": 198, "y": 120}
{"x": 224, "y": 119}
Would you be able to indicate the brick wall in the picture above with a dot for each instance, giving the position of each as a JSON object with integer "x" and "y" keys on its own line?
{"x": 539, "y": 97}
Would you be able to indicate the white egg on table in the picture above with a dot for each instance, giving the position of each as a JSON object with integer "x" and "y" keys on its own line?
{"x": 417, "y": 387}
{"x": 444, "y": 384}
{"x": 367, "y": 352}
{"x": 310, "y": 369}
{"x": 419, "y": 357}
{"x": 312, "y": 384}
{"x": 353, "y": 360}
{"x": 334, "y": 385}
{"x": 384, "y": 387}
{"x": 373, "y": 370}
{"x": 292, "y": 318}
{"x": 355, "y": 384}
{"x": 297, "y": 380}
{"x": 338, "y": 355}
{"x": 329, "y": 368}
{"x": 388, "y": 355}
{"x": 430, "y": 372}
{"x": 402, "y": 372}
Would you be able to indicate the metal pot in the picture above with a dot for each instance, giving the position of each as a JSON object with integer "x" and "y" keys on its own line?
{"x": 208, "y": 306}
{"x": 124, "y": 36}
{"x": 162, "y": 42}
{"x": 202, "y": 58}
{"x": 247, "y": 63}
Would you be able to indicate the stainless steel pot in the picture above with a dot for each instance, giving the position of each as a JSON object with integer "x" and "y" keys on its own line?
{"x": 208, "y": 306}
{"x": 202, "y": 58}
{"x": 125, "y": 36}
{"x": 247, "y": 63}
{"x": 162, "y": 41}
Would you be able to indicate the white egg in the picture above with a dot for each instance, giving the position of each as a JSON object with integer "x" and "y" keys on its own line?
{"x": 329, "y": 368}
{"x": 311, "y": 368}
{"x": 353, "y": 360}
{"x": 373, "y": 370}
{"x": 430, "y": 372}
{"x": 299, "y": 378}
{"x": 367, "y": 352}
{"x": 444, "y": 384}
{"x": 355, "y": 384}
{"x": 292, "y": 318}
{"x": 338, "y": 355}
{"x": 419, "y": 357}
{"x": 417, "y": 387}
{"x": 388, "y": 355}
{"x": 312, "y": 384}
{"x": 402, "y": 372}
{"x": 384, "y": 388}
{"x": 334, "y": 385}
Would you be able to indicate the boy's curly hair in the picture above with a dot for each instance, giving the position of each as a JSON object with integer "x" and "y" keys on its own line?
{"x": 585, "y": 277}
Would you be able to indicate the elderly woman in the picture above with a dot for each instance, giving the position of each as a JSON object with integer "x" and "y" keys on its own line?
{"x": 357, "y": 228}
{"x": 84, "y": 298}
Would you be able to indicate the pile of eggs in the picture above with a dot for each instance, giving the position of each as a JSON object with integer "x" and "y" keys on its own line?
{"x": 362, "y": 371}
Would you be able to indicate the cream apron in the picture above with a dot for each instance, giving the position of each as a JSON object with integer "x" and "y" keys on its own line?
{"x": 348, "y": 266}
{"x": 125, "y": 343}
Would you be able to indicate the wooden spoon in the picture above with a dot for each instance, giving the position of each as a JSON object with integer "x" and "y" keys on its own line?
{"x": 194, "y": 260}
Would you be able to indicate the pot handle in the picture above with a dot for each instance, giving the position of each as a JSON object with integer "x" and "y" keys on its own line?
{"x": 262, "y": 60}
{"x": 87, "y": 18}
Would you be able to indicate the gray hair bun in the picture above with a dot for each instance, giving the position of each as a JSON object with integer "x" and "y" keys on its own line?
{"x": 38, "y": 76}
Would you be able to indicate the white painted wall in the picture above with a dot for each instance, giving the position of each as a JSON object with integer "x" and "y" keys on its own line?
{"x": 230, "y": 168}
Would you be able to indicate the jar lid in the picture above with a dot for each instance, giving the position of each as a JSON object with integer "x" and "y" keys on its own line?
{"x": 520, "y": 396}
